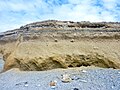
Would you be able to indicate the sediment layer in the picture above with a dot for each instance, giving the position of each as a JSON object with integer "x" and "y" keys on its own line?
{"x": 61, "y": 44}
{"x": 37, "y": 56}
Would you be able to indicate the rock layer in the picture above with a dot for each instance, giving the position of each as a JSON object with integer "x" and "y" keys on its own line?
{"x": 51, "y": 29}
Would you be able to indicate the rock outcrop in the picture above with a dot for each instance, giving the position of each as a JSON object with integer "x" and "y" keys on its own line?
{"x": 47, "y": 30}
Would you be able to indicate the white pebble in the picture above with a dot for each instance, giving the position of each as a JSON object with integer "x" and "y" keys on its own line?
{"x": 83, "y": 81}
{"x": 112, "y": 86}
{"x": 66, "y": 78}
{"x": 84, "y": 71}
{"x": 38, "y": 85}
{"x": 26, "y": 85}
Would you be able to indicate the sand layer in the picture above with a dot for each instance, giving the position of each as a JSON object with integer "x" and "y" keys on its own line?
{"x": 38, "y": 56}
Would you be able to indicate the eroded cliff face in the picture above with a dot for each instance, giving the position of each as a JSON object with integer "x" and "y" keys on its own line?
{"x": 37, "y": 56}
{"x": 61, "y": 44}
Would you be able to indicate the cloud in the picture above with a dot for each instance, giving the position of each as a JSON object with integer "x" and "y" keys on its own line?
{"x": 14, "y": 13}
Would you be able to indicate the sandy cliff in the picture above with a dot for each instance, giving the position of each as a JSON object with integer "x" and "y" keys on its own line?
{"x": 61, "y": 44}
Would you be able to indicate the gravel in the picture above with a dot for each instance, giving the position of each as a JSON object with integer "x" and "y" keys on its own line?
{"x": 1, "y": 64}
{"x": 82, "y": 79}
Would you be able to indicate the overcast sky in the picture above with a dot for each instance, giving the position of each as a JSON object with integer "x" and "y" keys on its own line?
{"x": 14, "y": 13}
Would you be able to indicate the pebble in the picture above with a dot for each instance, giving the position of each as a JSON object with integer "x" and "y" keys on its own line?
{"x": 112, "y": 87}
{"x": 83, "y": 81}
{"x": 75, "y": 89}
{"x": 72, "y": 40}
{"x": 56, "y": 40}
{"x": 38, "y": 85}
{"x": 26, "y": 85}
{"x": 52, "y": 83}
{"x": 66, "y": 78}
{"x": 84, "y": 71}
{"x": 75, "y": 78}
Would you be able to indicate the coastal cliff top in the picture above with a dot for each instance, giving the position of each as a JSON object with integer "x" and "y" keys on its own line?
{"x": 58, "y": 28}
{"x": 67, "y": 25}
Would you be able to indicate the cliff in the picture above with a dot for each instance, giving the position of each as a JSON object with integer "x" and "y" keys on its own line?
{"x": 61, "y": 44}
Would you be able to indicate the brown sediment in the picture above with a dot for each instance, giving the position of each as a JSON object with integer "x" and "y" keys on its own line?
{"x": 38, "y": 56}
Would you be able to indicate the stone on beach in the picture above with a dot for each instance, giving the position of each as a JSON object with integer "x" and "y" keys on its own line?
{"x": 66, "y": 78}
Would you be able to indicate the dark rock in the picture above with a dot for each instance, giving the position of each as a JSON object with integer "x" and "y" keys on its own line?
{"x": 75, "y": 89}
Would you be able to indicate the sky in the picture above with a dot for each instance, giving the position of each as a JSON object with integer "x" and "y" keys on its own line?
{"x": 16, "y": 13}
